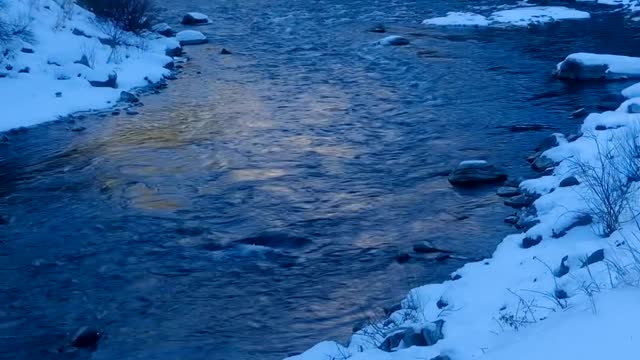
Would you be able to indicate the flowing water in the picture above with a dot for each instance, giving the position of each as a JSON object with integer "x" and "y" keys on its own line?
{"x": 327, "y": 149}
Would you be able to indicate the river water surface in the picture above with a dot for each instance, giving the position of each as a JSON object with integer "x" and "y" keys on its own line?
{"x": 328, "y": 148}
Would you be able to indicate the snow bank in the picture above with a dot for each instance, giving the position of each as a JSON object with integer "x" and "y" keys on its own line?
{"x": 458, "y": 19}
{"x": 585, "y": 66}
{"x": 556, "y": 291}
{"x": 520, "y": 16}
{"x": 52, "y": 78}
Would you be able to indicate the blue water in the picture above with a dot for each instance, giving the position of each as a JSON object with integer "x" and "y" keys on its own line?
{"x": 329, "y": 148}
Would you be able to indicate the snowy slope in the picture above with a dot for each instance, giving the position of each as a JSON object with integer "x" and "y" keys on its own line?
{"x": 56, "y": 84}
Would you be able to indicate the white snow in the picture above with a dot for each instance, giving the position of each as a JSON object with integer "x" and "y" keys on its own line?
{"x": 505, "y": 307}
{"x": 458, "y": 19}
{"x": 30, "y": 98}
{"x": 520, "y": 16}
{"x": 619, "y": 66}
{"x": 187, "y": 36}
{"x": 632, "y": 91}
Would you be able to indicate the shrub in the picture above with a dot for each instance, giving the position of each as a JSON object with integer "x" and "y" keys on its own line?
{"x": 130, "y": 15}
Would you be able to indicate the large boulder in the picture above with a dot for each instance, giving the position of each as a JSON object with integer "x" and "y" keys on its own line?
{"x": 163, "y": 29}
{"x": 111, "y": 82}
{"x": 574, "y": 69}
{"x": 476, "y": 172}
{"x": 191, "y": 37}
{"x": 520, "y": 201}
{"x": 394, "y": 40}
{"x": 195, "y": 18}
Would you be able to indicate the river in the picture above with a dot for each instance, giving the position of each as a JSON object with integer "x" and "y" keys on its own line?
{"x": 329, "y": 148}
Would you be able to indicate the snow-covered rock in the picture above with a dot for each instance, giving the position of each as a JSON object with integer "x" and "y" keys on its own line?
{"x": 191, "y": 37}
{"x": 588, "y": 66}
{"x": 475, "y": 172}
{"x": 163, "y": 29}
{"x": 520, "y": 16}
{"x": 458, "y": 19}
{"x": 195, "y": 18}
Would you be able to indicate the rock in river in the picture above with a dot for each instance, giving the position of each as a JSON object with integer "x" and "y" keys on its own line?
{"x": 427, "y": 247}
{"x": 475, "y": 172}
{"x": 86, "y": 337}
{"x": 195, "y": 18}
{"x": 191, "y": 37}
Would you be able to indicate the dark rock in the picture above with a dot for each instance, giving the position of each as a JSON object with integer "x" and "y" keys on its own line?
{"x": 193, "y": 19}
{"x": 413, "y": 338}
{"x": 508, "y": 191}
{"x": 9, "y": 67}
{"x": 25, "y": 70}
{"x": 132, "y": 113}
{"x": 432, "y": 333}
{"x": 441, "y": 357}
{"x": 379, "y": 28}
{"x": 549, "y": 142}
{"x": 4, "y": 220}
{"x": 582, "y": 112}
{"x": 426, "y": 246}
{"x": 443, "y": 257}
{"x": 115, "y": 113}
{"x": 633, "y": 108}
{"x": 128, "y": 97}
{"x": 570, "y": 181}
{"x": 511, "y": 219}
{"x": 111, "y": 82}
{"x": 563, "y": 269}
{"x": 533, "y": 156}
{"x": 514, "y": 182}
{"x": 174, "y": 52}
{"x": 476, "y": 173}
{"x": 560, "y": 294}
{"x": 572, "y": 69}
{"x": 595, "y": 257}
{"x": 529, "y": 242}
{"x": 391, "y": 309}
{"x": 455, "y": 277}
{"x": 547, "y": 172}
{"x": 79, "y": 32}
{"x": 83, "y": 61}
{"x": 601, "y": 127}
{"x": 402, "y": 258}
{"x": 276, "y": 240}
{"x": 112, "y": 43}
{"x": 392, "y": 341}
{"x": 86, "y": 337}
{"x": 58, "y": 94}
{"x": 359, "y": 326}
{"x": 542, "y": 163}
{"x": 441, "y": 304}
{"x": 163, "y": 29}
{"x": 520, "y": 201}
{"x": 225, "y": 52}
{"x": 78, "y": 128}
{"x": 27, "y": 50}
{"x": 580, "y": 220}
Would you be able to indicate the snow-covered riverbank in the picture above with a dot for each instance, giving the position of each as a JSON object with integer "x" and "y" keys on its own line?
{"x": 564, "y": 288}
{"x": 61, "y": 62}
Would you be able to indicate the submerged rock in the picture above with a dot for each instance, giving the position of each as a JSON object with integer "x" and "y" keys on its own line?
{"x": 574, "y": 69}
{"x": 379, "y": 28}
{"x": 395, "y": 40}
{"x": 225, "y": 52}
{"x": 508, "y": 191}
{"x": 276, "y": 240}
{"x": 520, "y": 201}
{"x": 426, "y": 247}
{"x": 86, "y": 337}
{"x": 475, "y": 172}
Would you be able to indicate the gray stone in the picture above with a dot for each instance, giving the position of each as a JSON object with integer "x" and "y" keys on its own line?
{"x": 413, "y": 338}
{"x": 529, "y": 242}
{"x": 379, "y": 28}
{"x": 508, "y": 191}
{"x": 132, "y": 113}
{"x": 432, "y": 333}
{"x": 111, "y": 82}
{"x": 83, "y": 61}
{"x": 542, "y": 163}
{"x": 174, "y": 51}
{"x": 427, "y": 246}
{"x": 225, "y": 52}
{"x": 563, "y": 269}
{"x": 569, "y": 181}
{"x": 392, "y": 341}
{"x": 163, "y": 29}
{"x": 86, "y": 337}
{"x": 520, "y": 201}
{"x": 572, "y": 69}
{"x": 595, "y": 257}
{"x": 633, "y": 108}
{"x": 476, "y": 173}
{"x": 549, "y": 142}
{"x": 128, "y": 97}
{"x": 511, "y": 219}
